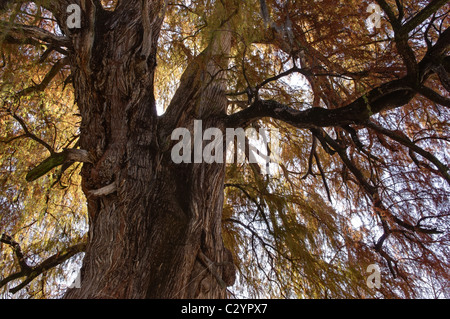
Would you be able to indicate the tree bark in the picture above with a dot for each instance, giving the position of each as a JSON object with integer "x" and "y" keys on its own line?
{"x": 155, "y": 226}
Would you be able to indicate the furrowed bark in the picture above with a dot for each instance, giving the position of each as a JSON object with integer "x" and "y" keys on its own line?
{"x": 153, "y": 223}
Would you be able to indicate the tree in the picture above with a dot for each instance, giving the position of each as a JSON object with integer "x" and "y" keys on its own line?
{"x": 362, "y": 116}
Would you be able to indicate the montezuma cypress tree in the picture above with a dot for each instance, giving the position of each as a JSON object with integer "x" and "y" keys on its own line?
{"x": 156, "y": 229}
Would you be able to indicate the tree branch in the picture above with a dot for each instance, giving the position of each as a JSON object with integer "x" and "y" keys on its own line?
{"x": 32, "y": 272}
{"x": 322, "y": 174}
{"x": 390, "y": 14}
{"x": 47, "y": 79}
{"x": 424, "y": 14}
{"x": 443, "y": 75}
{"x": 57, "y": 159}
{"x": 401, "y": 39}
{"x": 434, "y": 96}
{"x": 311, "y": 156}
{"x": 372, "y": 191}
{"x": 24, "y": 32}
{"x": 209, "y": 264}
{"x": 17, "y": 251}
{"x": 390, "y": 95}
{"x": 386, "y": 96}
{"x": 29, "y": 134}
{"x": 404, "y": 140}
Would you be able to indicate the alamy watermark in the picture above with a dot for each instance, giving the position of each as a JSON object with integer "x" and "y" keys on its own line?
{"x": 374, "y": 279}
{"x": 374, "y": 20}
{"x": 74, "y": 18}
{"x": 260, "y": 146}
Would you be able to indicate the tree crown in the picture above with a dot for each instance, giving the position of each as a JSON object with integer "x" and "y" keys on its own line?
{"x": 362, "y": 112}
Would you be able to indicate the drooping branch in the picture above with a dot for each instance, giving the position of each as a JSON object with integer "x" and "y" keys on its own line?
{"x": 47, "y": 79}
{"x": 387, "y": 218}
{"x": 17, "y": 251}
{"x": 311, "y": 156}
{"x": 369, "y": 187}
{"x": 404, "y": 140}
{"x": 265, "y": 244}
{"x": 253, "y": 200}
{"x": 29, "y": 134}
{"x": 322, "y": 174}
{"x": 341, "y": 151}
{"x": 383, "y": 98}
{"x": 32, "y": 272}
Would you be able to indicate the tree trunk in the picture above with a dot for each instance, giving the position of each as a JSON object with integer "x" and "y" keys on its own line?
{"x": 155, "y": 226}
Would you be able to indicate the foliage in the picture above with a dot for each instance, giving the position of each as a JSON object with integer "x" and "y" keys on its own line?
{"x": 342, "y": 197}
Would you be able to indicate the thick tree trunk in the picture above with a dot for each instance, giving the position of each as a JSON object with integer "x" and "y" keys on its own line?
{"x": 155, "y": 226}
